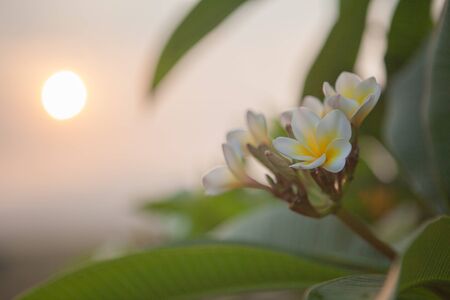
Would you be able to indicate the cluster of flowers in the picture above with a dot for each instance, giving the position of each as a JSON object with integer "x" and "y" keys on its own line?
{"x": 309, "y": 166}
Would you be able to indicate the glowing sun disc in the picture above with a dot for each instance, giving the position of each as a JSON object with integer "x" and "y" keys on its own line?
{"x": 64, "y": 95}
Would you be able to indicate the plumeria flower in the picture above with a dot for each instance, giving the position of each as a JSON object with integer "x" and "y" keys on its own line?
{"x": 318, "y": 142}
{"x": 235, "y": 151}
{"x": 219, "y": 180}
{"x": 313, "y": 103}
{"x": 238, "y": 140}
{"x": 257, "y": 126}
{"x": 235, "y": 162}
{"x": 223, "y": 178}
{"x": 353, "y": 96}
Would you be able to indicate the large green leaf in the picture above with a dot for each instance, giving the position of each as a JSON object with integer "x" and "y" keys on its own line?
{"x": 185, "y": 273}
{"x": 439, "y": 99}
{"x": 326, "y": 239}
{"x": 201, "y": 213}
{"x": 427, "y": 260}
{"x": 203, "y": 18}
{"x": 356, "y": 287}
{"x": 423, "y": 273}
{"x": 417, "y": 294}
{"x": 341, "y": 47}
{"x": 405, "y": 134}
{"x": 410, "y": 26}
{"x": 364, "y": 287}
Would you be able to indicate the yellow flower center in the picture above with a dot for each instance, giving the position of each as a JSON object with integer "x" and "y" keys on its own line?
{"x": 358, "y": 96}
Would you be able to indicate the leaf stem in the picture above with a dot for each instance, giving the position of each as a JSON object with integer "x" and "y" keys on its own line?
{"x": 363, "y": 231}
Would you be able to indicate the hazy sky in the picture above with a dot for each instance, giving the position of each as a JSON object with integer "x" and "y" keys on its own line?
{"x": 66, "y": 186}
{"x": 81, "y": 176}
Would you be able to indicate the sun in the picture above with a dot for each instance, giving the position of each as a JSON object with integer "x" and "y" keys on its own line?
{"x": 64, "y": 95}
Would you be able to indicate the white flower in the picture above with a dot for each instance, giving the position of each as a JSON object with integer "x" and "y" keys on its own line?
{"x": 238, "y": 140}
{"x": 235, "y": 162}
{"x": 313, "y": 103}
{"x": 228, "y": 177}
{"x": 258, "y": 127}
{"x": 353, "y": 96}
{"x": 235, "y": 151}
{"x": 318, "y": 142}
{"x": 219, "y": 180}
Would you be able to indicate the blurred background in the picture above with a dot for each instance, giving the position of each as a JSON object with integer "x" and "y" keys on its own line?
{"x": 71, "y": 188}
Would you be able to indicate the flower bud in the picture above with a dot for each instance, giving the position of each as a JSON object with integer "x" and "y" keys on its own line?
{"x": 258, "y": 127}
{"x": 353, "y": 96}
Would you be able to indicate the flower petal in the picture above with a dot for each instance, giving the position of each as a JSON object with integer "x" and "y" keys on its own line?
{"x": 304, "y": 123}
{"x": 346, "y": 84}
{"x": 311, "y": 164}
{"x": 234, "y": 162}
{"x": 328, "y": 90}
{"x": 219, "y": 180}
{"x": 292, "y": 148}
{"x": 347, "y": 106}
{"x": 366, "y": 88}
{"x": 286, "y": 117}
{"x": 238, "y": 140}
{"x": 257, "y": 125}
{"x": 361, "y": 113}
{"x": 337, "y": 153}
{"x": 334, "y": 125}
{"x": 314, "y": 104}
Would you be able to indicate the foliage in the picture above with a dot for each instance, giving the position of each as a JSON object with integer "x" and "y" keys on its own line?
{"x": 347, "y": 288}
{"x": 185, "y": 273}
{"x": 412, "y": 150}
{"x": 426, "y": 262}
{"x": 407, "y": 34}
{"x": 276, "y": 227}
{"x": 203, "y": 18}
{"x": 203, "y": 212}
{"x": 438, "y": 95}
{"x": 336, "y": 56}
{"x": 409, "y": 94}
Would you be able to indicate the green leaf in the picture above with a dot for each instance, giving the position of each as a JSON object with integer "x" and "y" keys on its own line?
{"x": 405, "y": 134}
{"x": 424, "y": 273}
{"x": 357, "y": 287}
{"x": 341, "y": 47}
{"x": 202, "y": 19}
{"x": 326, "y": 239}
{"x": 389, "y": 289}
{"x": 418, "y": 294}
{"x": 185, "y": 273}
{"x": 410, "y": 26}
{"x": 424, "y": 270}
{"x": 203, "y": 212}
{"x": 439, "y": 99}
{"x": 427, "y": 260}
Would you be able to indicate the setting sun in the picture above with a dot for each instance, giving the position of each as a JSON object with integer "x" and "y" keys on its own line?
{"x": 64, "y": 95}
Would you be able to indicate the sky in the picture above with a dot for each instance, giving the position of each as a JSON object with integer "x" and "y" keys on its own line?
{"x": 67, "y": 187}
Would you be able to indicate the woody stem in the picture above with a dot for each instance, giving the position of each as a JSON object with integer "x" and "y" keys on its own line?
{"x": 363, "y": 231}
